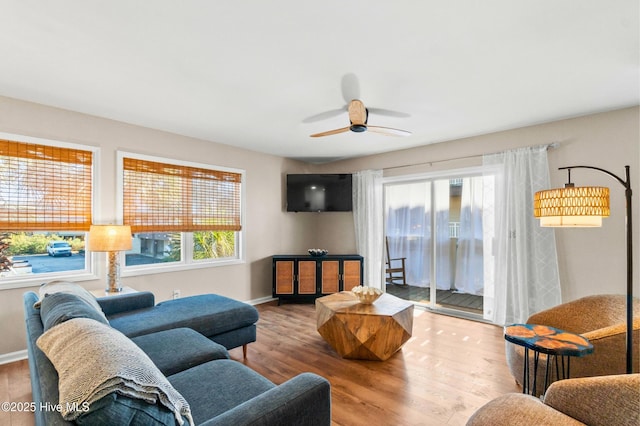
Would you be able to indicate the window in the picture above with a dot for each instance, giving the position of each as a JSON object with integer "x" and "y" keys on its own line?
{"x": 181, "y": 214}
{"x": 46, "y": 191}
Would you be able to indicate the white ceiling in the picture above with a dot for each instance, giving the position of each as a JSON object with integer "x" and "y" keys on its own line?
{"x": 255, "y": 74}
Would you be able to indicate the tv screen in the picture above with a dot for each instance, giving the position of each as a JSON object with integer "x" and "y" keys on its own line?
{"x": 319, "y": 193}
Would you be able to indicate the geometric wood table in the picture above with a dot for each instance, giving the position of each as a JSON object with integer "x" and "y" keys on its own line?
{"x": 553, "y": 342}
{"x": 360, "y": 331}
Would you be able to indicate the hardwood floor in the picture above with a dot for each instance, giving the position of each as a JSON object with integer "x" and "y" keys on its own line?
{"x": 15, "y": 387}
{"x": 448, "y": 369}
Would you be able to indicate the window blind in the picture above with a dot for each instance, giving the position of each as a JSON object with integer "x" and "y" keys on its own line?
{"x": 160, "y": 197}
{"x": 44, "y": 187}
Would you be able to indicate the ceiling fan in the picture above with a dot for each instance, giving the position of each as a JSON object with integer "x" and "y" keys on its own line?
{"x": 358, "y": 116}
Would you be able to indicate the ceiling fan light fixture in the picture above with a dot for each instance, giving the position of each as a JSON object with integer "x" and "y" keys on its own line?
{"x": 358, "y": 117}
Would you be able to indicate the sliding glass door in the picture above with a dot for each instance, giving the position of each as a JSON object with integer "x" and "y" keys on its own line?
{"x": 442, "y": 227}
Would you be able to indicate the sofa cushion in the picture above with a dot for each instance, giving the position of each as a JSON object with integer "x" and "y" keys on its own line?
{"x": 68, "y": 287}
{"x": 178, "y": 349}
{"x": 234, "y": 384}
{"x": 94, "y": 360}
{"x": 114, "y": 409}
{"x": 57, "y": 308}
{"x": 208, "y": 314}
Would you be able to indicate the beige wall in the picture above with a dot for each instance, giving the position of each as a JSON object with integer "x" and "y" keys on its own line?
{"x": 591, "y": 261}
{"x": 269, "y": 229}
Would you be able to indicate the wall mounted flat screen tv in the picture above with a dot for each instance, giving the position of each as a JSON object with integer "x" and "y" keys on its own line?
{"x": 319, "y": 193}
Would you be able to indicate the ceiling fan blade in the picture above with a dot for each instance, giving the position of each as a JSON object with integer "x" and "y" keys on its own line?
{"x": 331, "y": 132}
{"x": 350, "y": 87}
{"x": 325, "y": 115}
{"x": 388, "y": 131}
{"x": 389, "y": 112}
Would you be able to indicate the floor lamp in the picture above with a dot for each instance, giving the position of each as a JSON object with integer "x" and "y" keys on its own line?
{"x": 573, "y": 206}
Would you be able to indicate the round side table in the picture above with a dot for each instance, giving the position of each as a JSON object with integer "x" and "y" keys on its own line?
{"x": 555, "y": 343}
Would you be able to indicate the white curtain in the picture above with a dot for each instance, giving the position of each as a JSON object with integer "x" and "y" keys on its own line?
{"x": 442, "y": 197}
{"x": 469, "y": 276}
{"x": 526, "y": 276}
{"x": 408, "y": 228}
{"x": 368, "y": 220}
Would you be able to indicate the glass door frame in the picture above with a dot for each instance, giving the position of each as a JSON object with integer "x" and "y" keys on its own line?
{"x": 431, "y": 177}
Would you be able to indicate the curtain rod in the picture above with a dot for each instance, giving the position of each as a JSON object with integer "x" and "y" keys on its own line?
{"x": 549, "y": 146}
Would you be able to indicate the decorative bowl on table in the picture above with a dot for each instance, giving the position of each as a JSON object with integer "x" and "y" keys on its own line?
{"x": 366, "y": 295}
{"x": 318, "y": 252}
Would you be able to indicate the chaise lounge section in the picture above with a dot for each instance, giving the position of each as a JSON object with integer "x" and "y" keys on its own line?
{"x": 225, "y": 321}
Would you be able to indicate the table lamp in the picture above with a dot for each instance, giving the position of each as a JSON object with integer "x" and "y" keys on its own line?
{"x": 111, "y": 239}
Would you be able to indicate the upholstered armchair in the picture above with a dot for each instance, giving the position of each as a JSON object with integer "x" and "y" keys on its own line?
{"x": 594, "y": 401}
{"x": 602, "y": 320}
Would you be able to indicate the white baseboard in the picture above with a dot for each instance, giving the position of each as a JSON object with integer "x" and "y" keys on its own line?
{"x": 260, "y": 300}
{"x": 13, "y": 357}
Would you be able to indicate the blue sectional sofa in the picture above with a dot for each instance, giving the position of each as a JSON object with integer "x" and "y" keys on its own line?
{"x": 185, "y": 339}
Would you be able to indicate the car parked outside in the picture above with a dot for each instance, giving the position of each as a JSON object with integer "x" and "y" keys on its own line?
{"x": 59, "y": 248}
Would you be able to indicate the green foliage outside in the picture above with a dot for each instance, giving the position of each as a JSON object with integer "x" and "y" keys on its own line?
{"x": 176, "y": 250}
{"x": 213, "y": 244}
{"x": 21, "y": 243}
{"x": 206, "y": 245}
{"x": 5, "y": 263}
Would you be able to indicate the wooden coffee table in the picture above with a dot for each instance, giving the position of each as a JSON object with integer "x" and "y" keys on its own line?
{"x": 359, "y": 331}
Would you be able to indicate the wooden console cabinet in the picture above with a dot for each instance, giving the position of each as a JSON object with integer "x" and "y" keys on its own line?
{"x": 300, "y": 277}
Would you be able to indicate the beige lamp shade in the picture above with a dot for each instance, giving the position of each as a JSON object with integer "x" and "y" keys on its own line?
{"x": 109, "y": 237}
{"x": 572, "y": 206}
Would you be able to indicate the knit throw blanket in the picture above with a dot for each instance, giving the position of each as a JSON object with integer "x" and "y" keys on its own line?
{"x": 94, "y": 360}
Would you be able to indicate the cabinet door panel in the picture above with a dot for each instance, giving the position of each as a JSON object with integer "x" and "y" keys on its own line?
{"x": 330, "y": 276}
{"x": 307, "y": 277}
{"x": 284, "y": 277}
{"x": 351, "y": 273}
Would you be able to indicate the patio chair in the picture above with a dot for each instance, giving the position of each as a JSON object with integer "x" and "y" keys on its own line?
{"x": 396, "y": 273}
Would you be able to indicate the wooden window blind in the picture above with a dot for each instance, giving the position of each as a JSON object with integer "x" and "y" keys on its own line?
{"x": 44, "y": 187}
{"x": 160, "y": 197}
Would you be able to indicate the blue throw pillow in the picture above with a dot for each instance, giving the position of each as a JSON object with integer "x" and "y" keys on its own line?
{"x": 57, "y": 308}
{"x": 67, "y": 287}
